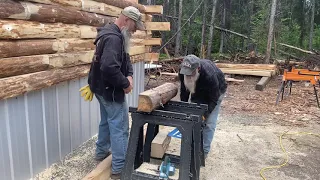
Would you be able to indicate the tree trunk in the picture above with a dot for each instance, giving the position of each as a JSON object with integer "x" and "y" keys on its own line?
{"x": 302, "y": 23}
{"x": 48, "y": 46}
{"x": 151, "y": 99}
{"x": 312, "y": 24}
{"x": 175, "y": 14}
{"x": 50, "y": 14}
{"x": 190, "y": 45}
{"x": 17, "y": 85}
{"x": 223, "y": 25}
{"x": 203, "y": 32}
{"x": 30, "y": 64}
{"x": 271, "y": 28}
{"x": 209, "y": 48}
{"x": 165, "y": 13}
{"x": 178, "y": 38}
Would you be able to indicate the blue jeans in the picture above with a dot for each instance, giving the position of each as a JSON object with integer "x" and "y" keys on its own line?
{"x": 113, "y": 132}
{"x": 210, "y": 127}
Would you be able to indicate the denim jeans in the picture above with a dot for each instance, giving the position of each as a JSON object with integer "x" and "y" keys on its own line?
{"x": 113, "y": 132}
{"x": 209, "y": 129}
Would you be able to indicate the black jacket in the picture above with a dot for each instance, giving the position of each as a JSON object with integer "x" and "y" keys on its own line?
{"x": 210, "y": 86}
{"x": 110, "y": 66}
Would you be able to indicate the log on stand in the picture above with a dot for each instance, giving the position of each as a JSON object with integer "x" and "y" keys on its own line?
{"x": 153, "y": 98}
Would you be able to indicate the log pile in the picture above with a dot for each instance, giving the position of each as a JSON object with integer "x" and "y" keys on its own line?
{"x": 44, "y": 42}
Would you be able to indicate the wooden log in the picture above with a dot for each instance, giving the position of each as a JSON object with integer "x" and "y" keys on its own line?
{"x": 124, "y": 3}
{"x": 48, "y": 46}
{"x": 147, "y": 42}
{"x": 153, "y": 98}
{"x": 50, "y": 14}
{"x": 135, "y": 50}
{"x": 234, "y": 80}
{"x": 20, "y": 29}
{"x": 160, "y": 144}
{"x": 262, "y": 83}
{"x": 17, "y": 85}
{"x": 154, "y": 9}
{"x": 158, "y": 26}
{"x": 102, "y": 171}
{"x": 247, "y": 66}
{"x": 27, "y": 30}
{"x": 266, "y": 73}
{"x": 137, "y": 58}
{"x": 30, "y": 64}
{"x": 296, "y": 48}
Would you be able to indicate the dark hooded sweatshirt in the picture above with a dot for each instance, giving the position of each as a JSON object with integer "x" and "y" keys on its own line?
{"x": 111, "y": 65}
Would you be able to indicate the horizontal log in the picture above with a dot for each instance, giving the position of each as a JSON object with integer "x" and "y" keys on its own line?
{"x": 296, "y": 48}
{"x": 250, "y": 72}
{"x": 27, "y": 30}
{"x": 30, "y": 64}
{"x": 10, "y": 9}
{"x": 151, "y": 57}
{"x": 137, "y": 58}
{"x": 9, "y": 48}
{"x": 154, "y": 9}
{"x": 123, "y": 3}
{"x": 153, "y": 98}
{"x": 20, "y": 29}
{"x": 135, "y": 50}
{"x": 247, "y": 66}
{"x": 158, "y": 26}
{"x": 262, "y": 83}
{"x": 18, "y": 85}
{"x": 147, "y": 42}
{"x": 98, "y": 6}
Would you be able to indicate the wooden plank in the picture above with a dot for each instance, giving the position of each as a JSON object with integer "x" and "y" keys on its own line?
{"x": 157, "y": 26}
{"x": 17, "y": 85}
{"x": 102, "y": 171}
{"x": 151, "y": 99}
{"x": 50, "y": 14}
{"x": 267, "y": 73}
{"x": 247, "y": 66}
{"x": 151, "y": 57}
{"x": 30, "y": 64}
{"x": 153, "y": 170}
{"x": 147, "y": 42}
{"x": 154, "y": 9}
{"x": 135, "y": 50}
{"x": 18, "y": 48}
{"x": 160, "y": 144}
{"x": 262, "y": 83}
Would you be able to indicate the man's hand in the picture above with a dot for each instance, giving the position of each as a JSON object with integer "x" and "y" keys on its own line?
{"x": 128, "y": 89}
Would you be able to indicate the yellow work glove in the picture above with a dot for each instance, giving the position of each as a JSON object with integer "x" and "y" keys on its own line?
{"x": 86, "y": 93}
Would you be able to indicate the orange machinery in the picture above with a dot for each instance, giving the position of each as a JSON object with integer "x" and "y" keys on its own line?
{"x": 298, "y": 75}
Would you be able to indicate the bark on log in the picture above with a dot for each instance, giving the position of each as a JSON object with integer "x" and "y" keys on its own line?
{"x": 20, "y": 29}
{"x": 50, "y": 14}
{"x": 30, "y": 64}
{"x": 123, "y": 3}
{"x": 247, "y": 66}
{"x": 17, "y": 85}
{"x": 153, "y": 98}
{"x": 27, "y": 30}
{"x": 49, "y": 46}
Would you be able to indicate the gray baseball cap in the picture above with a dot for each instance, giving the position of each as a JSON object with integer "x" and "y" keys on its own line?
{"x": 189, "y": 64}
{"x": 134, "y": 14}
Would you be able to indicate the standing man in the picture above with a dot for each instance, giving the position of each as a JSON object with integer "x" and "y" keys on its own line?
{"x": 110, "y": 78}
{"x": 203, "y": 82}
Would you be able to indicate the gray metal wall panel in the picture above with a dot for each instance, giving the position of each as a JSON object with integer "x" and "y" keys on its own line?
{"x": 94, "y": 115}
{"x": 51, "y": 124}
{"x": 5, "y": 172}
{"x": 35, "y": 116}
{"x": 18, "y": 133}
{"x": 64, "y": 118}
{"x": 85, "y": 115}
{"x": 74, "y": 113}
{"x": 138, "y": 81}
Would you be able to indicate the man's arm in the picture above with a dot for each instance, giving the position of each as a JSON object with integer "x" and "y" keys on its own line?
{"x": 111, "y": 61}
{"x": 213, "y": 95}
{"x": 184, "y": 93}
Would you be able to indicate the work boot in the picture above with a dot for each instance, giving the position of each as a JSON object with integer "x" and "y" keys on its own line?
{"x": 115, "y": 176}
{"x": 102, "y": 158}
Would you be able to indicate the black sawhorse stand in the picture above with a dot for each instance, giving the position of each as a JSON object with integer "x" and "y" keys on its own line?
{"x": 189, "y": 124}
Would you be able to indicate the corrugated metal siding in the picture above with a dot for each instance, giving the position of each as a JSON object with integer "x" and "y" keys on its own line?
{"x": 41, "y": 127}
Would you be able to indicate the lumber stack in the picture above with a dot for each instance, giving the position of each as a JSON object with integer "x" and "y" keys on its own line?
{"x": 44, "y": 42}
{"x": 263, "y": 70}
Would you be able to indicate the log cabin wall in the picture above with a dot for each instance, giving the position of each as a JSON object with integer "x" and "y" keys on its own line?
{"x": 45, "y": 51}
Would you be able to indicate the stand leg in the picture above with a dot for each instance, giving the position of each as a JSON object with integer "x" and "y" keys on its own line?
{"x": 280, "y": 91}
{"x": 316, "y": 93}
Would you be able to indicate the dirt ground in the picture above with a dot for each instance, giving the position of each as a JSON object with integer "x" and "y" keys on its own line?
{"x": 246, "y": 138}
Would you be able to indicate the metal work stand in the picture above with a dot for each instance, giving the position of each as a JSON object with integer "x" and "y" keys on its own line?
{"x": 187, "y": 117}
